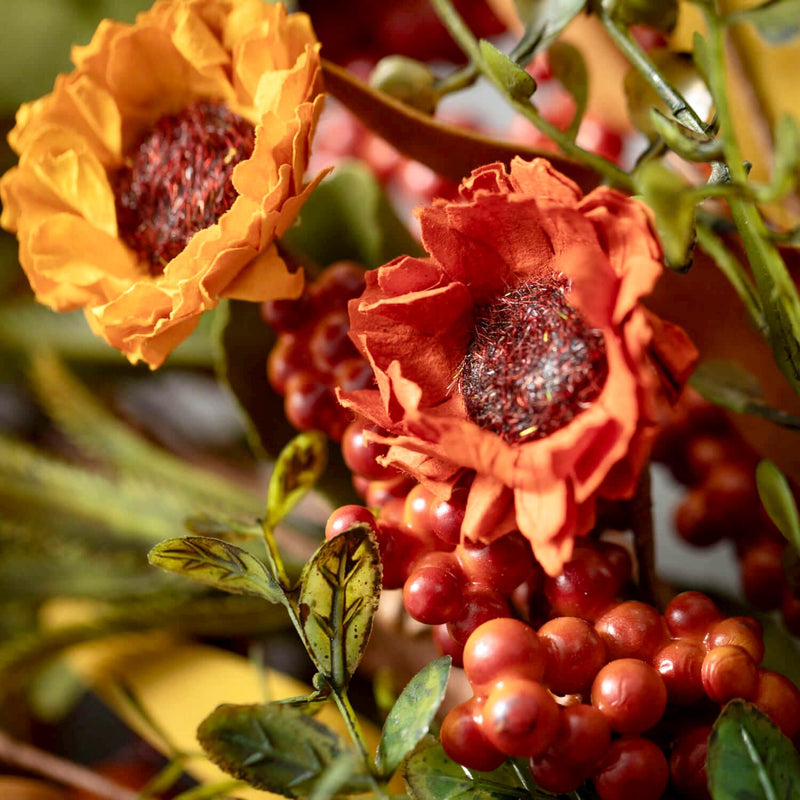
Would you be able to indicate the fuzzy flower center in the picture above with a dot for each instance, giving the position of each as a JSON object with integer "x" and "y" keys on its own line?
{"x": 533, "y": 363}
{"x": 178, "y": 179}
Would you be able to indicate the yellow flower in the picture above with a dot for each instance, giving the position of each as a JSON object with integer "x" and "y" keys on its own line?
{"x": 156, "y": 177}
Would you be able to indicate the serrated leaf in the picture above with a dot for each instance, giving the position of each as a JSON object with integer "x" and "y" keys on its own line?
{"x": 411, "y": 715}
{"x": 778, "y": 500}
{"x": 431, "y": 775}
{"x": 219, "y": 564}
{"x": 727, "y": 384}
{"x": 543, "y": 21}
{"x": 298, "y": 468}
{"x": 348, "y": 216}
{"x": 273, "y": 747}
{"x": 673, "y": 212}
{"x": 516, "y": 81}
{"x": 778, "y": 21}
{"x": 339, "y": 593}
{"x": 749, "y": 758}
{"x": 569, "y": 69}
{"x": 447, "y": 150}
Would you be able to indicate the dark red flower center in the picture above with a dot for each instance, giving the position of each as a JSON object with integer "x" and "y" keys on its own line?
{"x": 533, "y": 363}
{"x": 178, "y": 179}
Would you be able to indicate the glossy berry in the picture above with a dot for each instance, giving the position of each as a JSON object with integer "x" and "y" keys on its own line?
{"x": 288, "y": 357}
{"x": 575, "y": 654}
{"x": 361, "y": 454}
{"x": 630, "y": 694}
{"x": 728, "y": 672}
{"x": 399, "y": 552}
{"x": 345, "y": 517}
{"x": 632, "y": 630}
{"x": 687, "y": 763}
{"x": 336, "y": 285}
{"x": 779, "y": 699}
{"x": 446, "y": 516}
{"x": 520, "y": 717}
{"x": 503, "y": 564}
{"x": 633, "y": 769}
{"x": 329, "y": 343}
{"x": 416, "y": 511}
{"x": 744, "y": 632}
{"x": 556, "y": 775}
{"x": 310, "y": 404}
{"x": 502, "y": 648}
{"x": 432, "y": 594}
{"x": 480, "y": 605}
{"x": 585, "y": 588}
{"x": 680, "y": 665}
{"x": 584, "y": 736}
{"x": 286, "y": 315}
{"x": 447, "y": 645}
{"x": 762, "y": 574}
{"x": 689, "y": 615}
{"x": 463, "y": 738}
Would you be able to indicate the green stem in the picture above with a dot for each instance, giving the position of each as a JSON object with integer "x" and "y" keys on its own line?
{"x": 469, "y": 44}
{"x": 275, "y": 558}
{"x": 775, "y": 287}
{"x": 458, "y": 80}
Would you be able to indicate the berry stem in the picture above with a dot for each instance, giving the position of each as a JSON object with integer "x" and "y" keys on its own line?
{"x": 644, "y": 543}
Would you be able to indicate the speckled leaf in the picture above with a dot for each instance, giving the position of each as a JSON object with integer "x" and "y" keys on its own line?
{"x": 339, "y": 593}
{"x": 749, "y": 758}
{"x": 431, "y": 775}
{"x": 412, "y": 714}
{"x": 299, "y": 466}
{"x": 273, "y": 747}
{"x": 216, "y": 563}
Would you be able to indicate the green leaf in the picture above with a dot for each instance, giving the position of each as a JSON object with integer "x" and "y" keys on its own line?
{"x": 673, "y": 210}
{"x": 569, "y": 69}
{"x": 224, "y": 527}
{"x": 450, "y": 151}
{"x": 243, "y": 344}
{"x": 701, "y": 57}
{"x": 778, "y": 500}
{"x": 299, "y": 466}
{"x": 787, "y": 156}
{"x": 412, "y": 714}
{"x": 431, "y": 775}
{"x": 727, "y": 384}
{"x": 686, "y": 143}
{"x": 339, "y": 593}
{"x": 348, "y": 216}
{"x": 517, "y": 82}
{"x": 273, "y": 747}
{"x": 543, "y": 21}
{"x": 749, "y": 758}
{"x": 778, "y": 21}
{"x": 219, "y": 564}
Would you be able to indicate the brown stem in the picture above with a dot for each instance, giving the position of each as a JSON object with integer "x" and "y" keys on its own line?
{"x": 38, "y": 762}
{"x": 651, "y": 588}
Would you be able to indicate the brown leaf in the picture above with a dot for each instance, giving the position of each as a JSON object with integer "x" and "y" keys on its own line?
{"x": 452, "y": 152}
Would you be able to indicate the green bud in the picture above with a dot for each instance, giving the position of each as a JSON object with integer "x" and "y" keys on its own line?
{"x": 659, "y": 14}
{"x": 406, "y": 80}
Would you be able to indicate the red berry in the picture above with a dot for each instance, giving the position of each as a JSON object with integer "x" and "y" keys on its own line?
{"x": 584, "y": 737}
{"x": 289, "y": 356}
{"x": 399, "y": 552}
{"x": 687, "y": 763}
{"x": 464, "y": 740}
{"x": 309, "y": 404}
{"x": 480, "y": 605}
{"x": 520, "y": 717}
{"x": 380, "y": 493}
{"x": 361, "y": 454}
{"x": 335, "y": 285}
{"x": 447, "y": 516}
{"x": 575, "y": 654}
{"x": 779, "y": 699}
{"x": 680, "y": 664}
{"x": 502, "y": 648}
{"x": 585, "y": 588}
{"x": 632, "y": 630}
{"x": 352, "y": 374}
{"x": 416, "y": 511}
{"x": 432, "y": 594}
{"x": 286, "y": 315}
{"x": 633, "y": 769}
{"x": 729, "y": 672}
{"x": 447, "y": 645}
{"x": 618, "y": 558}
{"x": 762, "y": 574}
{"x": 690, "y": 614}
{"x": 555, "y": 775}
{"x": 630, "y": 694}
{"x": 345, "y": 517}
{"x": 329, "y": 343}
{"x": 744, "y": 632}
{"x": 503, "y": 564}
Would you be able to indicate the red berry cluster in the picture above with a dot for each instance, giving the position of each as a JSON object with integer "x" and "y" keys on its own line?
{"x": 576, "y": 698}
{"x": 705, "y": 452}
{"x": 313, "y": 353}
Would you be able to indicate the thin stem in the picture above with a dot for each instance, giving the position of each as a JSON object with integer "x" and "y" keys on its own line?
{"x": 32, "y": 759}
{"x": 276, "y": 560}
{"x": 469, "y": 44}
{"x": 458, "y": 80}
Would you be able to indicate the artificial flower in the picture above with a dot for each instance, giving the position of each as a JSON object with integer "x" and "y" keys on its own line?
{"x": 517, "y": 357}
{"x": 156, "y": 177}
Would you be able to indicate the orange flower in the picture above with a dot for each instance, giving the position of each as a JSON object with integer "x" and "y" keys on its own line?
{"x": 517, "y": 357}
{"x": 156, "y": 177}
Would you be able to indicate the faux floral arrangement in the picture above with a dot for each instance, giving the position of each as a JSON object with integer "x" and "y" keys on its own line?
{"x": 471, "y": 398}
